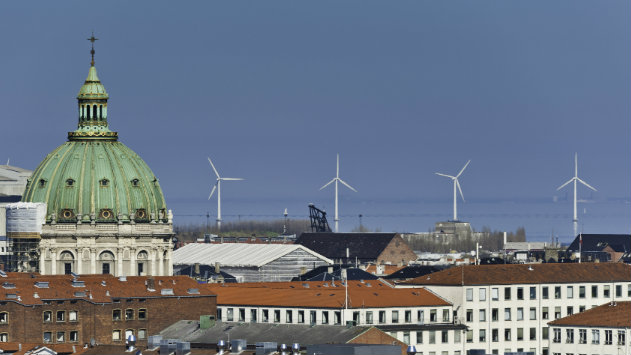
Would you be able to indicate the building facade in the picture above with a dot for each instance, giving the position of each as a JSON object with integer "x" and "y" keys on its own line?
{"x": 105, "y": 209}
{"x": 506, "y": 308}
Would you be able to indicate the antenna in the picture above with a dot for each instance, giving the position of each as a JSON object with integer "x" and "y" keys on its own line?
{"x": 217, "y": 187}
{"x": 335, "y": 180}
{"x": 574, "y": 180}
{"x": 456, "y": 187}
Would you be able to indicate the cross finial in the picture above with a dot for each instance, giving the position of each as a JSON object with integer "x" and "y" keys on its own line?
{"x": 92, "y": 39}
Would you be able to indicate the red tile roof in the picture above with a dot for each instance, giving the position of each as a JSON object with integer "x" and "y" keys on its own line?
{"x": 614, "y": 315}
{"x": 526, "y": 274}
{"x": 95, "y": 288}
{"x": 323, "y": 295}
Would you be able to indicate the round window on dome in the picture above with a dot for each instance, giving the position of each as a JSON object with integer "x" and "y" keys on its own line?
{"x": 141, "y": 213}
{"x": 135, "y": 183}
{"x": 70, "y": 182}
{"x": 67, "y": 214}
{"x": 106, "y": 213}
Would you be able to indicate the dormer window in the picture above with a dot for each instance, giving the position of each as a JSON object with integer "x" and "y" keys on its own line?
{"x": 141, "y": 213}
{"x": 104, "y": 183}
{"x": 70, "y": 182}
{"x": 106, "y": 214}
{"x": 135, "y": 183}
{"x": 67, "y": 213}
{"x": 42, "y": 182}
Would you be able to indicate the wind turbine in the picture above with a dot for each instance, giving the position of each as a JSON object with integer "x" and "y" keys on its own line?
{"x": 337, "y": 179}
{"x": 575, "y": 179}
{"x": 456, "y": 186}
{"x": 217, "y": 187}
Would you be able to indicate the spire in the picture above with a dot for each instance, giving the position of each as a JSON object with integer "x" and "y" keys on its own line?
{"x": 92, "y": 39}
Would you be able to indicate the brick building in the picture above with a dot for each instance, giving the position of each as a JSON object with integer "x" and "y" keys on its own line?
{"x": 104, "y": 309}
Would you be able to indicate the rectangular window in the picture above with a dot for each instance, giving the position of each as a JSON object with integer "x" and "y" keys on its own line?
{"x": 61, "y": 337}
{"x": 469, "y": 315}
{"x": 606, "y": 289}
{"x": 444, "y": 337}
{"x": 507, "y": 293}
{"x": 325, "y": 317}
{"x": 48, "y": 316}
{"x": 406, "y": 337}
{"x": 142, "y": 333}
{"x": 544, "y": 292}
{"x": 73, "y": 316}
{"x": 230, "y": 314}
{"x": 544, "y": 313}
{"x": 495, "y": 294}
{"x": 301, "y": 317}
{"x": 48, "y": 337}
{"x": 629, "y": 290}
{"x": 469, "y": 292}
{"x": 74, "y": 336}
{"x": 445, "y": 315}
{"x": 608, "y": 337}
{"x": 569, "y": 336}
{"x": 482, "y": 294}
{"x": 520, "y": 334}
{"x": 495, "y": 314}
{"x": 337, "y": 317}
{"x": 369, "y": 319}
{"x": 533, "y": 313}
{"x": 277, "y": 316}
{"x": 570, "y": 292}
{"x": 482, "y": 315}
{"x": 507, "y": 334}
{"x": 265, "y": 316}
{"x": 482, "y": 336}
{"x": 506, "y": 313}
{"x": 533, "y": 292}
{"x": 432, "y": 337}
{"x": 419, "y": 337}
{"x": 556, "y": 335}
{"x": 621, "y": 337}
{"x": 129, "y": 314}
{"x": 456, "y": 336}
{"x": 241, "y": 314}
{"x": 395, "y": 316}
{"x": 582, "y": 336}
{"x": 116, "y": 335}
{"x": 61, "y": 316}
{"x": 595, "y": 291}
{"x": 408, "y": 316}
{"x": 420, "y": 315}
{"x": 533, "y": 334}
{"x": 432, "y": 315}
{"x": 581, "y": 292}
{"x": 557, "y": 292}
{"x": 544, "y": 333}
{"x": 495, "y": 335}
{"x": 570, "y": 310}
{"x": 382, "y": 317}
{"x": 253, "y": 315}
{"x": 595, "y": 336}
{"x": 618, "y": 290}
{"x": 469, "y": 336}
{"x": 557, "y": 312}
{"x": 581, "y": 309}
{"x": 520, "y": 293}
{"x": 520, "y": 313}
{"x": 289, "y": 316}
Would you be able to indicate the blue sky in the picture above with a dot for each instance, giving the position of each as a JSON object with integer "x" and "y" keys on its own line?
{"x": 273, "y": 90}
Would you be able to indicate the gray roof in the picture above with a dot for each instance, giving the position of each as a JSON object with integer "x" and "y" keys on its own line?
{"x": 187, "y": 330}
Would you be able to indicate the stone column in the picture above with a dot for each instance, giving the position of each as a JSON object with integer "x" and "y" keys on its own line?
{"x": 169, "y": 261}
{"x": 93, "y": 260}
{"x": 133, "y": 269}
{"x": 53, "y": 261}
{"x": 160, "y": 262}
{"x": 42, "y": 261}
{"x": 79, "y": 261}
{"x": 152, "y": 260}
{"x": 119, "y": 262}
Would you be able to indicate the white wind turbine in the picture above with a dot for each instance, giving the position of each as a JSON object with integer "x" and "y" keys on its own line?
{"x": 217, "y": 187}
{"x": 575, "y": 179}
{"x": 456, "y": 186}
{"x": 337, "y": 179}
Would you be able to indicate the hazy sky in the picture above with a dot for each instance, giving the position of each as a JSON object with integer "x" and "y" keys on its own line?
{"x": 272, "y": 90}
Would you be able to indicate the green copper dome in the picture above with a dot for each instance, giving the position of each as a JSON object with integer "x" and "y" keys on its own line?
{"x": 93, "y": 177}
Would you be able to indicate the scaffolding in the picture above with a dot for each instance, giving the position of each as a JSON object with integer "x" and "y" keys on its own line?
{"x": 23, "y": 253}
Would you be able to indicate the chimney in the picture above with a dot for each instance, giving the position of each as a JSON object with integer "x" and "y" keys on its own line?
{"x": 151, "y": 283}
{"x": 196, "y": 268}
{"x": 217, "y": 270}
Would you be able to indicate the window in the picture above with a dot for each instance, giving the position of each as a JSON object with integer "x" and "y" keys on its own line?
{"x": 533, "y": 334}
{"x": 570, "y": 310}
{"x": 408, "y": 316}
{"x": 406, "y": 337}
{"x": 557, "y": 292}
{"x": 129, "y": 314}
{"x": 507, "y": 293}
{"x": 74, "y": 336}
{"x": 4, "y": 317}
{"x": 301, "y": 317}
{"x": 432, "y": 337}
{"x": 544, "y": 333}
{"x": 229, "y": 314}
{"x": 419, "y": 337}
{"x": 469, "y": 315}
{"x": 595, "y": 291}
{"x": 581, "y": 292}
{"x": 482, "y": 315}
{"x": 4, "y": 337}
{"x": 395, "y": 316}
{"x": 277, "y": 316}
{"x": 116, "y": 335}
{"x": 369, "y": 317}
{"x": 556, "y": 335}
{"x": 337, "y": 317}
{"x": 621, "y": 337}
{"x": 70, "y": 182}
{"x": 533, "y": 313}
{"x": 506, "y": 313}
{"x": 444, "y": 337}
{"x": 382, "y": 316}
{"x": 104, "y": 182}
{"x": 570, "y": 292}
{"x": 312, "y": 317}
{"x": 432, "y": 315}
{"x": 569, "y": 336}
{"x": 469, "y": 292}
{"x": 520, "y": 293}
{"x": 507, "y": 334}
{"x": 142, "y": 333}
{"x": 495, "y": 314}
{"x": 533, "y": 292}
{"x": 61, "y": 316}
{"x": 457, "y": 336}
{"x": 495, "y": 294}
{"x": 445, "y": 315}
{"x": 544, "y": 313}
{"x": 135, "y": 183}
{"x": 595, "y": 336}
{"x": 544, "y": 292}
{"x": 469, "y": 336}
{"x": 606, "y": 291}
{"x": 61, "y": 337}
{"x": 265, "y": 316}
{"x": 73, "y": 316}
{"x": 581, "y": 309}
{"x": 582, "y": 336}
{"x": 495, "y": 337}
{"x": 557, "y": 312}
{"x": 420, "y": 315}
{"x": 629, "y": 290}
{"x": 142, "y": 314}
{"x": 520, "y": 334}
{"x": 482, "y": 336}
{"x": 48, "y": 337}
{"x": 520, "y": 313}
{"x": 289, "y": 316}
{"x": 325, "y": 317}
{"x": 219, "y": 314}
{"x": 608, "y": 337}
{"x": 482, "y": 294}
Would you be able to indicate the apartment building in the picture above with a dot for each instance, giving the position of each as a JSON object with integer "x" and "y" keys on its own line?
{"x": 101, "y": 309}
{"x": 605, "y": 330}
{"x": 506, "y": 308}
{"x": 413, "y": 316}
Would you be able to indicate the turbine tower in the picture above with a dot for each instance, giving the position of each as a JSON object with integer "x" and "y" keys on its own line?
{"x": 337, "y": 179}
{"x": 575, "y": 179}
{"x": 456, "y": 186}
{"x": 217, "y": 187}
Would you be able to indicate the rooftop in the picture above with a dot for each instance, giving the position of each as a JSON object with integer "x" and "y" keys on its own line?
{"x": 614, "y": 314}
{"x": 360, "y": 245}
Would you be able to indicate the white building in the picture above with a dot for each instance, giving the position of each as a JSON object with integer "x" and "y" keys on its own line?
{"x": 12, "y": 183}
{"x": 602, "y": 330}
{"x": 507, "y": 307}
{"x": 416, "y": 317}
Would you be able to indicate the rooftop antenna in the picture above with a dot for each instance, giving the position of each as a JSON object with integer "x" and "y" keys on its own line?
{"x": 217, "y": 187}
{"x": 285, "y": 226}
{"x": 456, "y": 186}
{"x": 575, "y": 179}
{"x": 337, "y": 179}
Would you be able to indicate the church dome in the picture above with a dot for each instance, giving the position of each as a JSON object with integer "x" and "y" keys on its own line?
{"x": 93, "y": 177}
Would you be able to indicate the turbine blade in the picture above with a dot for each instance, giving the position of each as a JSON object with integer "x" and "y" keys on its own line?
{"x": 347, "y": 185}
{"x": 328, "y": 183}
{"x": 232, "y": 179}
{"x": 464, "y": 167}
{"x": 586, "y": 184}
{"x": 459, "y": 189}
{"x": 213, "y": 166}
{"x": 562, "y": 186}
{"x": 449, "y": 176}
{"x": 212, "y": 191}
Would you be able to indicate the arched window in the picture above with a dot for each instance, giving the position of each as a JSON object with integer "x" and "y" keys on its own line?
{"x": 135, "y": 182}
{"x": 101, "y": 112}
{"x": 87, "y": 110}
{"x": 94, "y": 112}
{"x": 104, "y": 182}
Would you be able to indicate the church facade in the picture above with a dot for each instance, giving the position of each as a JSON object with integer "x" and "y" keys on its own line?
{"x": 105, "y": 211}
